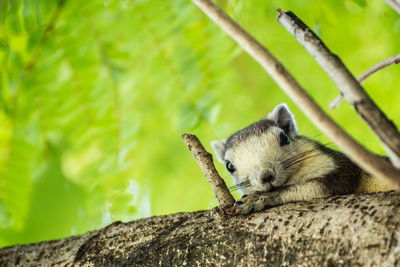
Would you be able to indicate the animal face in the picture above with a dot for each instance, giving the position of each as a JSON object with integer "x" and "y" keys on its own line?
{"x": 262, "y": 155}
{"x": 269, "y": 154}
{"x": 257, "y": 163}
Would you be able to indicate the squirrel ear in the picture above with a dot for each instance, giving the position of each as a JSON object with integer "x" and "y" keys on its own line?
{"x": 282, "y": 116}
{"x": 219, "y": 147}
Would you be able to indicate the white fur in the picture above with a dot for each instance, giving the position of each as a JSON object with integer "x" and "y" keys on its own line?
{"x": 255, "y": 156}
{"x": 306, "y": 191}
{"x": 258, "y": 155}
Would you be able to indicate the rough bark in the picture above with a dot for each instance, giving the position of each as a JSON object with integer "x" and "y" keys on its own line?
{"x": 350, "y": 230}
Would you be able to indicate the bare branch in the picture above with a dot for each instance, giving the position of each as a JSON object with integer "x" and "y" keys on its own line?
{"x": 345, "y": 81}
{"x": 335, "y": 102}
{"x": 373, "y": 164}
{"x": 393, "y": 60}
{"x": 387, "y": 62}
{"x": 204, "y": 159}
{"x": 394, "y": 4}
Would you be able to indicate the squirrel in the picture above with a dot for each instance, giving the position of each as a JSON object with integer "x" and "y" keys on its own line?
{"x": 272, "y": 165}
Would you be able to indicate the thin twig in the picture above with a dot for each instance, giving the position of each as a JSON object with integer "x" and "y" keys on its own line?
{"x": 204, "y": 159}
{"x": 387, "y": 62}
{"x": 345, "y": 81}
{"x": 394, "y": 4}
{"x": 372, "y": 163}
{"x": 336, "y": 102}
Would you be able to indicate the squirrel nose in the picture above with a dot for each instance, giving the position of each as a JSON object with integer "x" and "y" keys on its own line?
{"x": 267, "y": 178}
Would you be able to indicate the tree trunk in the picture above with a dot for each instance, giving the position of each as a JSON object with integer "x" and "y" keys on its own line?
{"x": 343, "y": 230}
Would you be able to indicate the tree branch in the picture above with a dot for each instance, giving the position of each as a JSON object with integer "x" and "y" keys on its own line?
{"x": 383, "y": 64}
{"x": 345, "y": 81}
{"x": 373, "y": 164}
{"x": 387, "y": 62}
{"x": 350, "y": 230}
{"x": 205, "y": 161}
{"x": 394, "y": 4}
{"x": 335, "y": 102}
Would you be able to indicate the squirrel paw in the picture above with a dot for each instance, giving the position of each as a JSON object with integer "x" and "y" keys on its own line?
{"x": 249, "y": 204}
{"x": 255, "y": 202}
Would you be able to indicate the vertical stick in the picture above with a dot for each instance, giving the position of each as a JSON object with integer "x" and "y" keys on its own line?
{"x": 205, "y": 161}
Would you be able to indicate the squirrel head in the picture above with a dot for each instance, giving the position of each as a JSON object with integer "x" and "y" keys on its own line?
{"x": 262, "y": 155}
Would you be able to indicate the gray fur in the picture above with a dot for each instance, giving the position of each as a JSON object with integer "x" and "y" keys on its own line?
{"x": 269, "y": 174}
{"x": 282, "y": 116}
{"x": 219, "y": 147}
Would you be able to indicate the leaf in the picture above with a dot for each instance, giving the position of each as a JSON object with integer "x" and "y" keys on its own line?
{"x": 360, "y": 3}
{"x": 17, "y": 183}
{"x": 6, "y": 219}
{"x": 13, "y": 16}
{"x": 188, "y": 117}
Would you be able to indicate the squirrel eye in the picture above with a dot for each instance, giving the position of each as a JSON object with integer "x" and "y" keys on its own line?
{"x": 229, "y": 166}
{"x": 284, "y": 139}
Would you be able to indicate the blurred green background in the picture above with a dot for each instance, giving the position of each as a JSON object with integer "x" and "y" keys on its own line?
{"x": 96, "y": 94}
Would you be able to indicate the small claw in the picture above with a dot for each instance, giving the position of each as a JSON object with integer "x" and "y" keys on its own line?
{"x": 244, "y": 209}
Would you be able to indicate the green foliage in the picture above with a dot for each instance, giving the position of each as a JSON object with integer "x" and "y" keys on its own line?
{"x": 94, "y": 96}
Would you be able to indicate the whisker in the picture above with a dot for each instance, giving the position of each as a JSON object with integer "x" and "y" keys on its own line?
{"x": 243, "y": 185}
{"x": 302, "y": 159}
{"x": 299, "y": 161}
{"x": 288, "y": 158}
{"x": 296, "y": 157}
{"x": 293, "y": 158}
{"x": 233, "y": 187}
{"x": 240, "y": 185}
